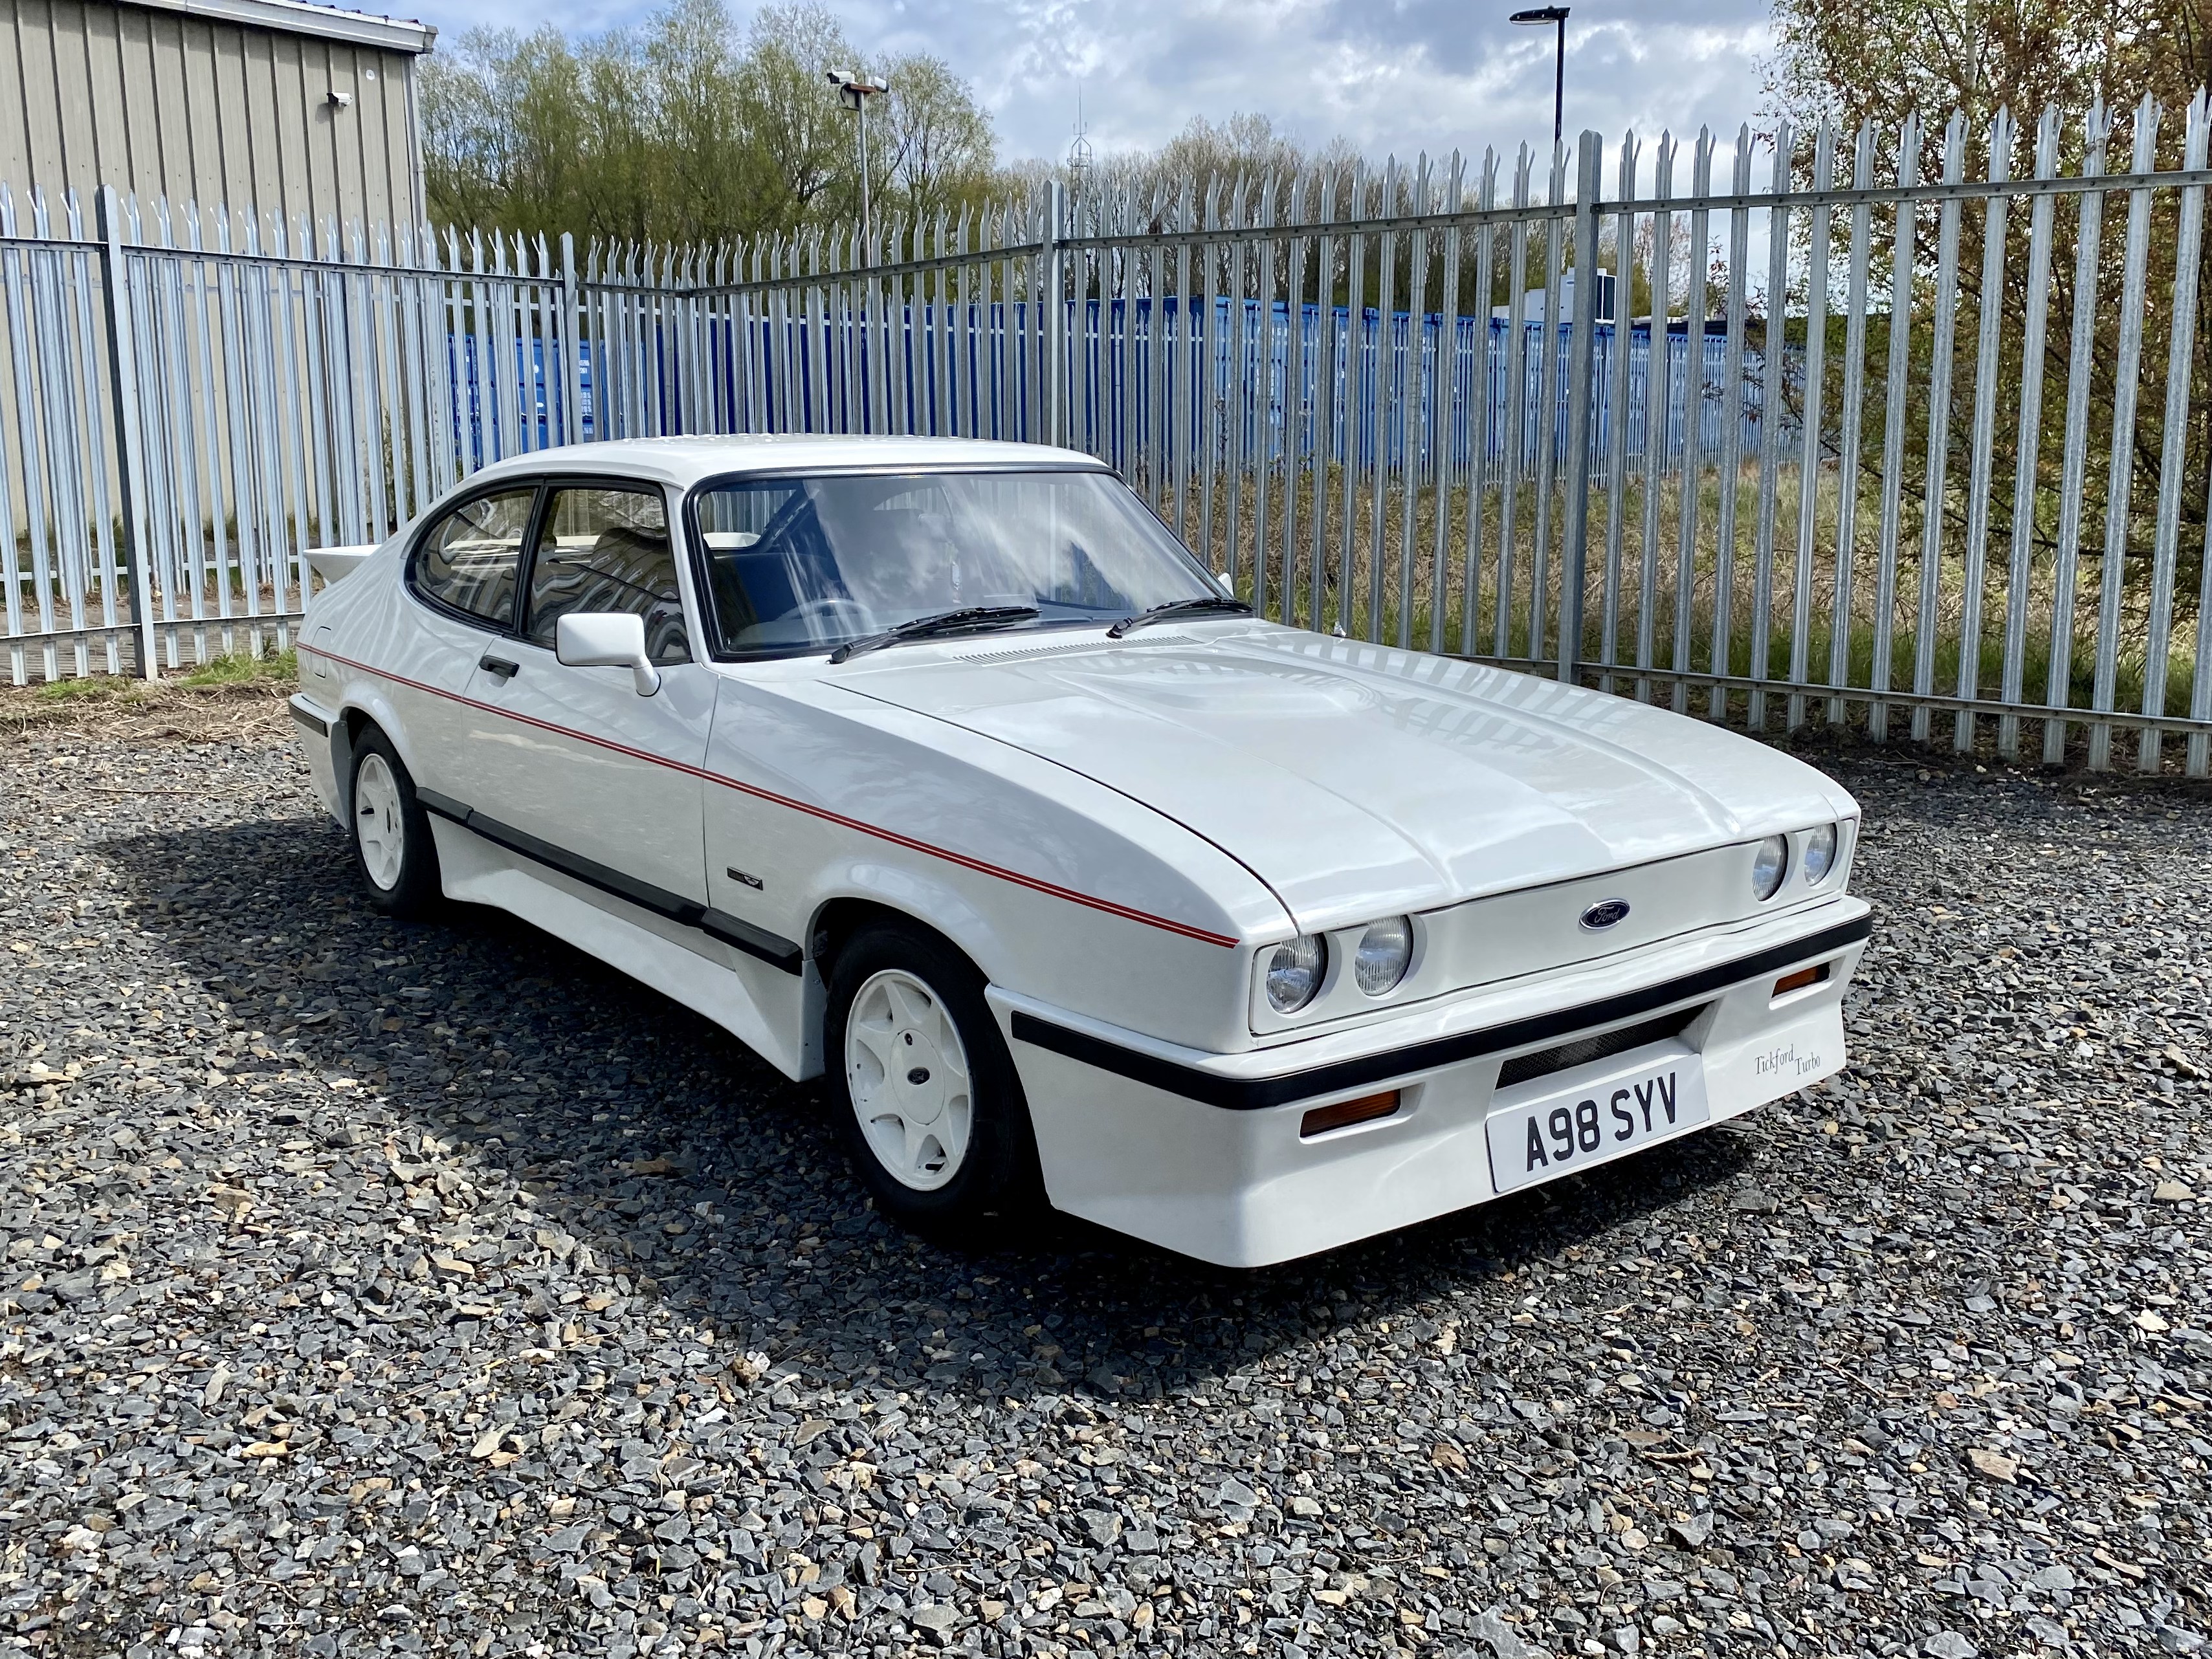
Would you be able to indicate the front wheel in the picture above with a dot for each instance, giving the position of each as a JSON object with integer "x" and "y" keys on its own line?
{"x": 392, "y": 843}
{"x": 926, "y": 1097}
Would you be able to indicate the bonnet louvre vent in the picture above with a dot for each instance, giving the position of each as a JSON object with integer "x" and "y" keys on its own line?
{"x": 1013, "y": 653}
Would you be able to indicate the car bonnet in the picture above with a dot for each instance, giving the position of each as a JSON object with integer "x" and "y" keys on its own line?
{"x": 1356, "y": 781}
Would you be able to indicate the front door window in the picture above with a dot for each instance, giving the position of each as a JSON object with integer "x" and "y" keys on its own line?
{"x": 608, "y": 549}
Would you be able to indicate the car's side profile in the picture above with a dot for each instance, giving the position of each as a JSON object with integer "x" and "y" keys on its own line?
{"x": 940, "y": 769}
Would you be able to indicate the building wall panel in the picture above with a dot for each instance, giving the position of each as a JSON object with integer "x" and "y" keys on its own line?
{"x": 45, "y": 141}
{"x": 201, "y": 108}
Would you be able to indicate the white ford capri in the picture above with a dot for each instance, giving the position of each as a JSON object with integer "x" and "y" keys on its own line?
{"x": 943, "y": 769}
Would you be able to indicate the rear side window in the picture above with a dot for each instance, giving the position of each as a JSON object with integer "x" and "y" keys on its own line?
{"x": 608, "y": 549}
{"x": 472, "y": 557}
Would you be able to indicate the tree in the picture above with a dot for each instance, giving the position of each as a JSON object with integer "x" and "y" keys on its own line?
{"x": 683, "y": 131}
{"x": 801, "y": 139}
{"x": 938, "y": 153}
{"x": 1880, "y": 60}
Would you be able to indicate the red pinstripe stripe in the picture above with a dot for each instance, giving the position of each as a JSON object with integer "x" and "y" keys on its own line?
{"x": 1034, "y": 884}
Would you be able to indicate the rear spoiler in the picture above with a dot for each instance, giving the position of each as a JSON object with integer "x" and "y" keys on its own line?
{"x": 335, "y": 565}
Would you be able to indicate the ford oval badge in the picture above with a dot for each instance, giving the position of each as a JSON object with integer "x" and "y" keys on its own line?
{"x": 1606, "y": 913}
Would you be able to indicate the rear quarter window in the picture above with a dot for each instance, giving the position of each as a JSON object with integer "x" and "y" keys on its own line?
{"x": 470, "y": 560}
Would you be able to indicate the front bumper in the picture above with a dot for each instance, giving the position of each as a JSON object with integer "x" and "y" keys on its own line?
{"x": 1201, "y": 1153}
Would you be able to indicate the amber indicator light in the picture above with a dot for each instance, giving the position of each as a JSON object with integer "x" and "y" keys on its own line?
{"x": 1801, "y": 979}
{"x": 1322, "y": 1119}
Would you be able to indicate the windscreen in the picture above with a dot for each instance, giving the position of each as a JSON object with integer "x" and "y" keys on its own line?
{"x": 806, "y": 563}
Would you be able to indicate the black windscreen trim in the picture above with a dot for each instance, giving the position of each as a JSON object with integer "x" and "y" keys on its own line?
{"x": 1256, "y": 1094}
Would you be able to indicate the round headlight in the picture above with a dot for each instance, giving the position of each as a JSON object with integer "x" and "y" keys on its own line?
{"x": 1294, "y": 972}
{"x": 1768, "y": 864}
{"x": 1384, "y": 950}
{"x": 1819, "y": 854}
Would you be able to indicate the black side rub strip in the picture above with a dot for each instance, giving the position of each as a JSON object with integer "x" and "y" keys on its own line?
{"x": 1255, "y": 1094}
{"x": 770, "y": 948}
{"x": 777, "y": 952}
{"x": 314, "y": 723}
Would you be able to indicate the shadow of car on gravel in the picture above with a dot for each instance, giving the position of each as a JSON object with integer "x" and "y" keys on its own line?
{"x": 625, "y": 1113}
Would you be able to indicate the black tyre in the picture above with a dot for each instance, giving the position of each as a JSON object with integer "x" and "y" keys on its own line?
{"x": 392, "y": 843}
{"x": 924, "y": 1093}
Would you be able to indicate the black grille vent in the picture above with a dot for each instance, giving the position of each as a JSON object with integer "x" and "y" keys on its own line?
{"x": 1527, "y": 1068}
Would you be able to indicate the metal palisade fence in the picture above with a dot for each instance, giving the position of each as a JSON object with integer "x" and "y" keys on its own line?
{"x": 1904, "y": 429}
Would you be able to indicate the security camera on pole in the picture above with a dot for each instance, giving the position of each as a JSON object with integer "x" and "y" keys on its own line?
{"x": 853, "y": 92}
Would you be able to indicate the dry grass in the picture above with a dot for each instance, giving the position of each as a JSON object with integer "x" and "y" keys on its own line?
{"x": 232, "y": 699}
{"x": 1515, "y": 562}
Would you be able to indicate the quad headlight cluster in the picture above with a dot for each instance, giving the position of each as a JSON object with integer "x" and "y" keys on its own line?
{"x": 1337, "y": 973}
{"x": 1294, "y": 972}
{"x": 1816, "y": 849}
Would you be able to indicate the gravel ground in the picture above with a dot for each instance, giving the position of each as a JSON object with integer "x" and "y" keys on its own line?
{"x": 433, "y": 1290}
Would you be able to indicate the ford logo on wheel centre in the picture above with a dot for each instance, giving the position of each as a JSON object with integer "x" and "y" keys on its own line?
{"x": 1606, "y": 913}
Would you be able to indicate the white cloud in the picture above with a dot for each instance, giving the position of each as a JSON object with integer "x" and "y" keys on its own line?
{"x": 1395, "y": 75}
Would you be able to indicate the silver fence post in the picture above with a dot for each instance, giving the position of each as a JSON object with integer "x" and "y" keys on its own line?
{"x": 122, "y": 385}
{"x": 1055, "y": 319}
{"x": 1574, "y": 553}
{"x": 572, "y": 339}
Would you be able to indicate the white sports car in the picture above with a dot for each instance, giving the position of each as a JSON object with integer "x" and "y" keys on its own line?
{"x": 944, "y": 768}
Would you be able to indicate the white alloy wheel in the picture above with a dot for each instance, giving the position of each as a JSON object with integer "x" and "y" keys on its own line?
{"x": 379, "y": 824}
{"x": 906, "y": 1070}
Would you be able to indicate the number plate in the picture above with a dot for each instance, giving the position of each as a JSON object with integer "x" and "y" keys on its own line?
{"x": 1574, "y": 1128}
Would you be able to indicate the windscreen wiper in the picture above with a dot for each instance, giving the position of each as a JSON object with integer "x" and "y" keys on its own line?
{"x": 939, "y": 622}
{"x": 1204, "y": 603}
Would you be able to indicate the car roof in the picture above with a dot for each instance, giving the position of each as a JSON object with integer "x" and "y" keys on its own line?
{"x": 685, "y": 461}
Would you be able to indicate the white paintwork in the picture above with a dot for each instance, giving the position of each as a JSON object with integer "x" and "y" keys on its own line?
{"x": 906, "y": 1070}
{"x": 796, "y": 735}
{"x": 549, "y": 779}
{"x": 1360, "y": 781}
{"x": 1115, "y": 832}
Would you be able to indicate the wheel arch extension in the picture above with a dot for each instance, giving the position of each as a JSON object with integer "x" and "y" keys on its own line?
{"x": 345, "y": 741}
{"x": 836, "y": 922}
{"x": 353, "y": 717}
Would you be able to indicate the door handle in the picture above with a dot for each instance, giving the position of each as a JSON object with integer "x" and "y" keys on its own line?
{"x": 499, "y": 667}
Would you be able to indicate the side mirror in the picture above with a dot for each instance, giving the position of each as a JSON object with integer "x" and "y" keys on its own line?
{"x": 607, "y": 639}
{"x": 1221, "y": 579}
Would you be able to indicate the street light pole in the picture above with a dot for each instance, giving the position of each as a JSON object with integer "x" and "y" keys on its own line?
{"x": 1536, "y": 17}
{"x": 853, "y": 92}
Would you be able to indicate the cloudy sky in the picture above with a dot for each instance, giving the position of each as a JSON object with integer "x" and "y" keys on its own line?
{"x": 1394, "y": 75}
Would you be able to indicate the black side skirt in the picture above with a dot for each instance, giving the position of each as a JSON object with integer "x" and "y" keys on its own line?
{"x": 1254, "y": 1094}
{"x": 771, "y": 948}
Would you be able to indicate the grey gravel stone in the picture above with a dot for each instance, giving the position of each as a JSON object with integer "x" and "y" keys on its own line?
{"x": 434, "y": 1290}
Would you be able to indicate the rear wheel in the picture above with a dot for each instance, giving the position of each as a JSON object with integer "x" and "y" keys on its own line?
{"x": 925, "y": 1094}
{"x": 392, "y": 843}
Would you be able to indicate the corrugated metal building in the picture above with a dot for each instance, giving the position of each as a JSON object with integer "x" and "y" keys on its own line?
{"x": 261, "y": 105}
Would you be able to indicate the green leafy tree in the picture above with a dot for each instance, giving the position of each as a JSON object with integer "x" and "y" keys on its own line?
{"x": 1880, "y": 62}
{"x": 686, "y": 130}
